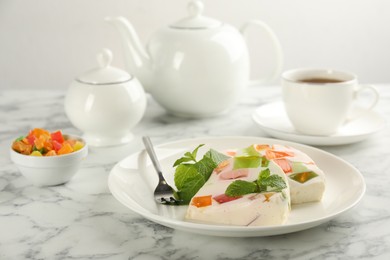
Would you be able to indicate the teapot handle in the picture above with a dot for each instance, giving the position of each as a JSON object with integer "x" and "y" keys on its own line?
{"x": 277, "y": 49}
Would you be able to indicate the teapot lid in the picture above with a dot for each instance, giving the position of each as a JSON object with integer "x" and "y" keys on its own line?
{"x": 196, "y": 20}
{"x": 104, "y": 73}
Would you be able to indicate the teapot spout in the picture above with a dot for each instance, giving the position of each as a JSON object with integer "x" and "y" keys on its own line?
{"x": 137, "y": 60}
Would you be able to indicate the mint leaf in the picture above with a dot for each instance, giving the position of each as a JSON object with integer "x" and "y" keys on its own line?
{"x": 266, "y": 180}
{"x": 182, "y": 160}
{"x": 190, "y": 177}
{"x": 264, "y": 174}
{"x": 205, "y": 167}
{"x": 275, "y": 182}
{"x": 195, "y": 152}
{"x": 189, "y": 188}
{"x": 240, "y": 187}
{"x": 216, "y": 156}
{"x": 188, "y": 157}
{"x": 183, "y": 173}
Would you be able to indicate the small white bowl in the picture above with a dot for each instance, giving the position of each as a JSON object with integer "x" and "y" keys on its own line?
{"x": 50, "y": 170}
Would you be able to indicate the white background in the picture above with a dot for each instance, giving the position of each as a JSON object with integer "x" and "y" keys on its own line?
{"x": 46, "y": 43}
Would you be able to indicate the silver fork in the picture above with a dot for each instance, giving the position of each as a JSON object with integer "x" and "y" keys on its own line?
{"x": 163, "y": 193}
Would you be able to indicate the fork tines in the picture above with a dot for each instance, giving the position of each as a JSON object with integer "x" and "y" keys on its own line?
{"x": 169, "y": 201}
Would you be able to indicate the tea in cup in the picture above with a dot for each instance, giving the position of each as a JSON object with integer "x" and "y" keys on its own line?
{"x": 319, "y": 101}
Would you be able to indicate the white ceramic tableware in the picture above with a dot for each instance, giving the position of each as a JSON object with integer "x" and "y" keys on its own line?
{"x": 195, "y": 67}
{"x": 105, "y": 103}
{"x": 319, "y": 101}
{"x": 132, "y": 181}
{"x": 50, "y": 170}
{"x": 273, "y": 120}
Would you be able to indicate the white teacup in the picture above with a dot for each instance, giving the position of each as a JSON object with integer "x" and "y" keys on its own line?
{"x": 318, "y": 101}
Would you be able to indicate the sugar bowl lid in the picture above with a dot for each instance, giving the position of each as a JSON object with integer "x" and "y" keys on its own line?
{"x": 104, "y": 74}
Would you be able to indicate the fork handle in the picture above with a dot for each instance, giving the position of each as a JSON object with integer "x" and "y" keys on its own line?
{"x": 152, "y": 154}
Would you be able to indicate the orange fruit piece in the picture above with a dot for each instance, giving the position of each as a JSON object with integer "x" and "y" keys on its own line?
{"x": 51, "y": 153}
{"x": 21, "y": 147}
{"x": 38, "y": 132}
{"x": 65, "y": 149}
{"x": 40, "y": 142}
{"x": 201, "y": 201}
{"x": 272, "y": 154}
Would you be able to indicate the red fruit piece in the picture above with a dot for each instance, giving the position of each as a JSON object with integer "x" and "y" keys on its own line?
{"x": 31, "y": 139}
{"x": 56, "y": 145}
{"x": 57, "y": 136}
{"x": 234, "y": 174}
{"x": 223, "y": 198}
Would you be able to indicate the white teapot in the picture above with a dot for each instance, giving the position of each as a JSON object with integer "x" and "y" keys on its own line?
{"x": 195, "y": 67}
{"x": 105, "y": 103}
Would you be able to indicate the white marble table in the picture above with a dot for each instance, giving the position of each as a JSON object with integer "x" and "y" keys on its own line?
{"x": 82, "y": 220}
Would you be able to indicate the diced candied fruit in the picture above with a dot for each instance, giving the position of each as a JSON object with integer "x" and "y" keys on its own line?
{"x": 57, "y": 146}
{"x": 303, "y": 177}
{"x": 272, "y": 154}
{"x": 57, "y": 136}
{"x": 40, "y": 142}
{"x": 21, "y": 147}
{"x": 51, "y": 153}
{"x": 77, "y": 146}
{"x": 65, "y": 149}
{"x": 201, "y": 201}
{"x": 267, "y": 196}
{"x": 31, "y": 139}
{"x": 37, "y": 132}
{"x": 72, "y": 142}
{"x": 223, "y": 198}
{"x": 222, "y": 165}
{"x": 25, "y": 141}
{"x": 260, "y": 147}
{"x": 48, "y": 146}
{"x": 284, "y": 164}
{"x": 36, "y": 153}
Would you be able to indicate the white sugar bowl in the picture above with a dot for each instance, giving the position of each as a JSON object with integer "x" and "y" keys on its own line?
{"x": 105, "y": 103}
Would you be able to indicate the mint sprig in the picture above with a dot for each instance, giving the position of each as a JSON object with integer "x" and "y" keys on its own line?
{"x": 191, "y": 174}
{"x": 240, "y": 187}
{"x": 274, "y": 182}
{"x": 188, "y": 157}
{"x": 264, "y": 183}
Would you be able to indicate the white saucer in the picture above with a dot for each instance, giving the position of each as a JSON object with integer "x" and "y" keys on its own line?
{"x": 274, "y": 121}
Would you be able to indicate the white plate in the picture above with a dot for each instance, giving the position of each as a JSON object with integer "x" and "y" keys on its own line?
{"x": 274, "y": 121}
{"x": 133, "y": 180}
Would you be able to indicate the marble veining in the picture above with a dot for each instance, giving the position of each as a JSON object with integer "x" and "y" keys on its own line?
{"x": 82, "y": 220}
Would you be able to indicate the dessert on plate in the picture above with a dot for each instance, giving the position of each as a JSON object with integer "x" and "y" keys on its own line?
{"x": 255, "y": 186}
{"x": 305, "y": 179}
